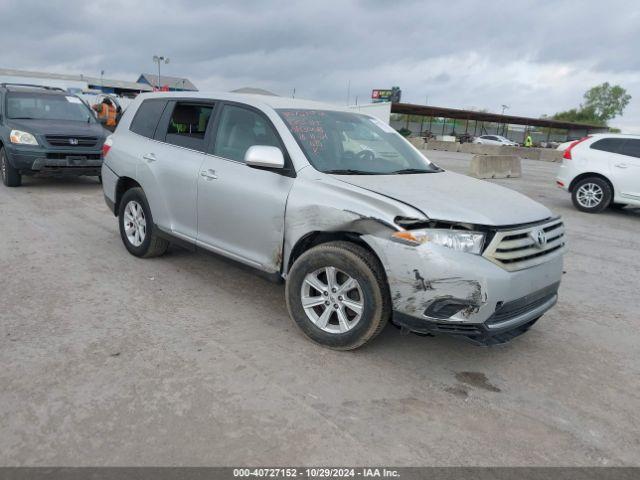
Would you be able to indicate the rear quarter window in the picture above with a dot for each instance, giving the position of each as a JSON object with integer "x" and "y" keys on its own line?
{"x": 147, "y": 117}
{"x": 631, "y": 147}
{"x": 611, "y": 145}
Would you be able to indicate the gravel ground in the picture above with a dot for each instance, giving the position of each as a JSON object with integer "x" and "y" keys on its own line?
{"x": 190, "y": 359}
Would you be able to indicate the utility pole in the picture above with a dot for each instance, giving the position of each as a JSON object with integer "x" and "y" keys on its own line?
{"x": 348, "y": 92}
{"x": 504, "y": 125}
{"x": 101, "y": 80}
{"x": 159, "y": 60}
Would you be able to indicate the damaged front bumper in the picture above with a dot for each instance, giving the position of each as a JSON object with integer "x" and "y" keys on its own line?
{"x": 437, "y": 290}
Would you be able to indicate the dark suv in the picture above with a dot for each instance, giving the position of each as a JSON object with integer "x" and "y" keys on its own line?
{"x": 48, "y": 132}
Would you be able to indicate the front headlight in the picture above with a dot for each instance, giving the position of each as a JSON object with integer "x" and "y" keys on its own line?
{"x": 22, "y": 138}
{"x": 460, "y": 240}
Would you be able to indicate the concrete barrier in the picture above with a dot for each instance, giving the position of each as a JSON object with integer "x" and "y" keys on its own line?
{"x": 544, "y": 154}
{"x": 478, "y": 149}
{"x": 444, "y": 146}
{"x": 495, "y": 166}
{"x": 551, "y": 155}
{"x": 529, "y": 153}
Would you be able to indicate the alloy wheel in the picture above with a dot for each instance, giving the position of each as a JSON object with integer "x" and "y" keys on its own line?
{"x": 590, "y": 195}
{"x": 332, "y": 300}
{"x": 135, "y": 224}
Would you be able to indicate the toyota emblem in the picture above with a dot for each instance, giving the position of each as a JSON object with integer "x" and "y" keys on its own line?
{"x": 73, "y": 141}
{"x": 539, "y": 238}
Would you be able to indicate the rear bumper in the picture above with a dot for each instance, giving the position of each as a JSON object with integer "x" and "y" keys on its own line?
{"x": 54, "y": 162}
{"x": 564, "y": 177}
{"x": 509, "y": 321}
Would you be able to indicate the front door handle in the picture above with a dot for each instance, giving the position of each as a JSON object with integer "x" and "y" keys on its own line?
{"x": 209, "y": 174}
{"x": 149, "y": 157}
{"x": 621, "y": 165}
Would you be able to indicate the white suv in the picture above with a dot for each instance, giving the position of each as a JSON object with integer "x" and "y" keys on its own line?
{"x": 602, "y": 171}
{"x": 363, "y": 228}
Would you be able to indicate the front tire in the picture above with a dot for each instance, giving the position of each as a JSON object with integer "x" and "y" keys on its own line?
{"x": 137, "y": 230}
{"x": 592, "y": 195}
{"x": 10, "y": 175}
{"x": 338, "y": 295}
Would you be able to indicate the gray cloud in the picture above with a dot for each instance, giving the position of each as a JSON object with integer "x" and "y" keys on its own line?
{"x": 536, "y": 56}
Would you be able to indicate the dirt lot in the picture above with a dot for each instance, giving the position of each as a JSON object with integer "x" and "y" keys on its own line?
{"x": 190, "y": 360}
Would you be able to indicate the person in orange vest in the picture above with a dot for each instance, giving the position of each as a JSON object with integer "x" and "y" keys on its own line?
{"x": 107, "y": 113}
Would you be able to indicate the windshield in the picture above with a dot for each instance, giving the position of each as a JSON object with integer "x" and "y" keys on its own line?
{"x": 38, "y": 106}
{"x": 353, "y": 144}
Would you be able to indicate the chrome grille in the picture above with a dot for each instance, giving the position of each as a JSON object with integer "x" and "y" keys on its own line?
{"x": 71, "y": 141}
{"x": 526, "y": 247}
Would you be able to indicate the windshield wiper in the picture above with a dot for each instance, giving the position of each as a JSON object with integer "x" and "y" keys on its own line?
{"x": 22, "y": 118}
{"x": 349, "y": 171}
{"x": 411, "y": 170}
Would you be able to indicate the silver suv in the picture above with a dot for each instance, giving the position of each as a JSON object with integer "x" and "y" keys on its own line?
{"x": 363, "y": 228}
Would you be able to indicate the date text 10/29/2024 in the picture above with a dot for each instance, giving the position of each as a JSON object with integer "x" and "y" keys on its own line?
{"x": 315, "y": 473}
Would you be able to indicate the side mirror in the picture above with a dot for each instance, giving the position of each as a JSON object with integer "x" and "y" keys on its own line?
{"x": 264, "y": 156}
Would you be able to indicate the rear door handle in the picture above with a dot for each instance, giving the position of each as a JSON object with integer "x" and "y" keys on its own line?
{"x": 621, "y": 165}
{"x": 149, "y": 157}
{"x": 209, "y": 174}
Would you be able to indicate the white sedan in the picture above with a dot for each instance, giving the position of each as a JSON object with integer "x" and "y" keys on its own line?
{"x": 494, "y": 140}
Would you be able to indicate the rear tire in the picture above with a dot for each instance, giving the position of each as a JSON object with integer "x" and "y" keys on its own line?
{"x": 592, "y": 195}
{"x": 137, "y": 230}
{"x": 10, "y": 175}
{"x": 335, "y": 315}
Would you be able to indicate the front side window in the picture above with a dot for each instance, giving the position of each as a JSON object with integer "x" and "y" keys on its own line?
{"x": 39, "y": 106}
{"x": 352, "y": 143}
{"x": 240, "y": 128}
{"x": 188, "y": 125}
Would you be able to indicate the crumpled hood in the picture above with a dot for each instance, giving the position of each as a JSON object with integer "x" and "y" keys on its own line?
{"x": 454, "y": 197}
{"x": 59, "y": 127}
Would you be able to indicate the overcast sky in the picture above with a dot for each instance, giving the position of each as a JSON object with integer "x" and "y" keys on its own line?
{"x": 536, "y": 56}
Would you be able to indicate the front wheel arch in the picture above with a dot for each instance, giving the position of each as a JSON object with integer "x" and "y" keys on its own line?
{"x": 318, "y": 237}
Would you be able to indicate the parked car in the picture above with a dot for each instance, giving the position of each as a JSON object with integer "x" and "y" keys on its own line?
{"x": 46, "y": 132}
{"x": 601, "y": 171}
{"x": 494, "y": 140}
{"x": 360, "y": 236}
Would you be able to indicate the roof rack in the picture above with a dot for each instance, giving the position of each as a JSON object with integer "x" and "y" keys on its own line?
{"x": 30, "y": 85}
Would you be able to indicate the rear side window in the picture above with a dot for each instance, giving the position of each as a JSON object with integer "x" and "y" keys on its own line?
{"x": 611, "y": 145}
{"x": 631, "y": 147}
{"x": 241, "y": 128}
{"x": 188, "y": 125}
{"x": 146, "y": 119}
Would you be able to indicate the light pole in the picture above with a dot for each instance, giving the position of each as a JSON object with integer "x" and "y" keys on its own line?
{"x": 504, "y": 107}
{"x": 101, "y": 80}
{"x": 159, "y": 60}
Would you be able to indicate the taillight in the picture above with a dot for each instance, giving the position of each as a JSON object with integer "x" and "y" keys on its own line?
{"x": 567, "y": 152}
{"x": 106, "y": 146}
